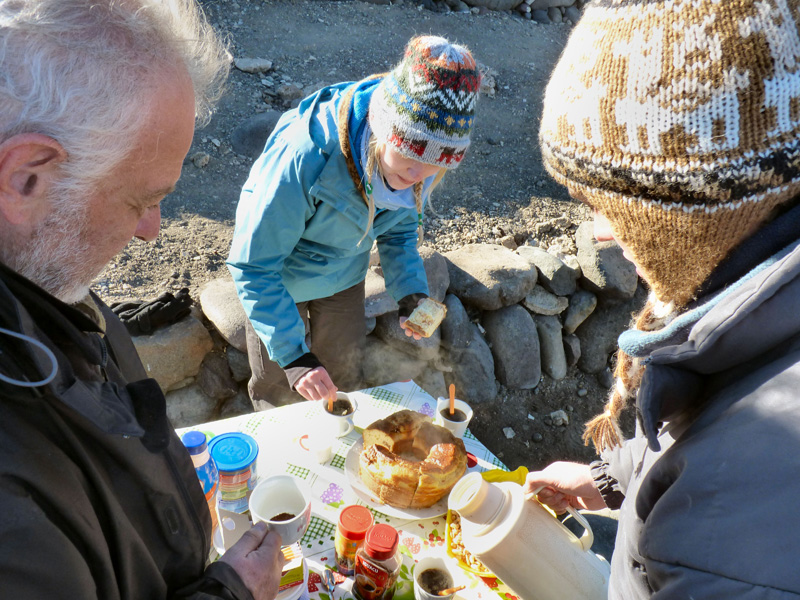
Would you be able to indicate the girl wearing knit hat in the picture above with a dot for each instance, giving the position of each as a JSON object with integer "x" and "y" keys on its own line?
{"x": 353, "y": 164}
{"x": 678, "y": 122}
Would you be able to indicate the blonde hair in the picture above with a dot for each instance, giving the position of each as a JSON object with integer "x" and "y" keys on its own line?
{"x": 374, "y": 149}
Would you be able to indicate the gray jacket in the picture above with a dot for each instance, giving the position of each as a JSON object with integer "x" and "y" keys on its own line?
{"x": 712, "y": 479}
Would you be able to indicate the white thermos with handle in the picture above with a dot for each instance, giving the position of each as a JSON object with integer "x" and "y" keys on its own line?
{"x": 522, "y": 543}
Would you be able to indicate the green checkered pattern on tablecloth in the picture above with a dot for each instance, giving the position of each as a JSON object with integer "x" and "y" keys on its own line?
{"x": 498, "y": 463}
{"x": 338, "y": 461}
{"x": 253, "y": 423}
{"x": 468, "y": 435}
{"x": 385, "y": 398}
{"x": 378, "y": 516}
{"x": 297, "y": 471}
{"x": 319, "y": 531}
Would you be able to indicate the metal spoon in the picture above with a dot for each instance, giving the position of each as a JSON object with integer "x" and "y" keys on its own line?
{"x": 330, "y": 583}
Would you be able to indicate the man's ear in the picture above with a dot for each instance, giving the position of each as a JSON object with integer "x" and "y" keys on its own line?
{"x": 28, "y": 164}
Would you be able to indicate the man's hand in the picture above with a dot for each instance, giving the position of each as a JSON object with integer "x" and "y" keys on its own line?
{"x": 409, "y": 333}
{"x": 316, "y": 385}
{"x": 258, "y": 560}
{"x": 563, "y": 484}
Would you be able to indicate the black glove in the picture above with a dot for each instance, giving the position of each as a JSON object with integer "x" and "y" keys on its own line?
{"x": 143, "y": 318}
{"x": 408, "y": 303}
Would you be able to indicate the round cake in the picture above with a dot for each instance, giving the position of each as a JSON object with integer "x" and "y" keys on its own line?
{"x": 408, "y": 462}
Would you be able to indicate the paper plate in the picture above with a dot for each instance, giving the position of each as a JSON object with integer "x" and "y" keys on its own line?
{"x": 354, "y": 479}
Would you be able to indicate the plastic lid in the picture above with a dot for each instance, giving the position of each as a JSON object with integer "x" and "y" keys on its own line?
{"x": 195, "y": 441}
{"x": 234, "y": 451}
{"x": 354, "y": 520}
{"x": 381, "y": 541}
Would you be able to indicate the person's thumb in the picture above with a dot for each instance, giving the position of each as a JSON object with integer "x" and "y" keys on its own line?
{"x": 252, "y": 538}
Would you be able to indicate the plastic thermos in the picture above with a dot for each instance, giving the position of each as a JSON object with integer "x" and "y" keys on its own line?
{"x": 523, "y": 543}
{"x": 206, "y": 468}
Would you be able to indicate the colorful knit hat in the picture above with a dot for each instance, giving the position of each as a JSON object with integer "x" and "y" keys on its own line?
{"x": 680, "y": 122}
{"x": 425, "y": 106}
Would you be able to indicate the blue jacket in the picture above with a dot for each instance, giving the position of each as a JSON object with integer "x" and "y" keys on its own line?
{"x": 300, "y": 218}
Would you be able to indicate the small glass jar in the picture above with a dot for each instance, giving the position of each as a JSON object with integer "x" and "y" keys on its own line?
{"x": 354, "y": 521}
{"x": 235, "y": 454}
{"x": 378, "y": 564}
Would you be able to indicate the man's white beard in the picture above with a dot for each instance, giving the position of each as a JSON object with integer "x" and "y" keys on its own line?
{"x": 56, "y": 256}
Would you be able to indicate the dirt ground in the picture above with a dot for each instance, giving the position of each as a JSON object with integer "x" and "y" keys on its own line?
{"x": 500, "y": 189}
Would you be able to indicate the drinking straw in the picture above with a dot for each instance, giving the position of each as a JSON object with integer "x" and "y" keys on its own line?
{"x": 451, "y": 590}
{"x": 452, "y": 398}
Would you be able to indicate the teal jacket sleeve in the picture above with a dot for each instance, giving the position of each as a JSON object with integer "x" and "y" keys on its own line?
{"x": 403, "y": 269}
{"x": 270, "y": 219}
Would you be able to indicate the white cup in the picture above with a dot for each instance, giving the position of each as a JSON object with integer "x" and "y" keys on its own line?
{"x": 457, "y": 428}
{"x": 281, "y": 494}
{"x": 431, "y": 562}
{"x": 339, "y": 425}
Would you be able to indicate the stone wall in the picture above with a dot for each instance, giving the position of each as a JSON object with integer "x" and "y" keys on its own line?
{"x": 514, "y": 316}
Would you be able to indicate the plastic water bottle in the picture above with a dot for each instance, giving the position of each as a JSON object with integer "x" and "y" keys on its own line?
{"x": 206, "y": 468}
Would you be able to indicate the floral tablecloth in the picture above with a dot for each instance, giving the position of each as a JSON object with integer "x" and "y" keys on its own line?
{"x": 280, "y": 434}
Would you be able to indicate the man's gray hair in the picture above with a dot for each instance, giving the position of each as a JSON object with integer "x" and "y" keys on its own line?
{"x": 82, "y": 72}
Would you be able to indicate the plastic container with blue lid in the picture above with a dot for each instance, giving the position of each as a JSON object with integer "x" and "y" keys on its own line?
{"x": 235, "y": 454}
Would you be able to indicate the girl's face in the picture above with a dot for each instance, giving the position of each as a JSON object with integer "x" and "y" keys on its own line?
{"x": 401, "y": 172}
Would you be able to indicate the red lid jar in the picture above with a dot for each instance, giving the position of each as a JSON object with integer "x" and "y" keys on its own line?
{"x": 354, "y": 521}
{"x": 378, "y": 564}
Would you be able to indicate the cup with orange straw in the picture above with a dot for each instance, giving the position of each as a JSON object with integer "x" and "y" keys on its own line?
{"x": 452, "y": 413}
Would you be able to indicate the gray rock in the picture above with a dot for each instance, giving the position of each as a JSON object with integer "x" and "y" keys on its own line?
{"x": 546, "y": 4}
{"x": 473, "y": 369}
{"x": 542, "y": 302}
{"x": 238, "y": 363}
{"x": 174, "y": 353}
{"x": 494, "y": 4}
{"x": 387, "y": 328}
{"x": 253, "y": 65}
{"x": 215, "y": 378}
{"x": 540, "y": 16}
{"x": 489, "y": 276}
{"x": 551, "y": 346}
{"x": 436, "y": 271}
{"x": 240, "y": 404}
{"x": 554, "y": 275}
{"x": 606, "y": 272}
{"x": 250, "y": 136}
{"x": 511, "y": 332}
{"x": 370, "y": 323}
{"x": 377, "y": 300}
{"x": 559, "y": 418}
{"x": 572, "y": 13}
{"x": 386, "y": 364}
{"x": 555, "y": 15}
{"x": 432, "y": 381}
{"x": 572, "y": 349}
{"x": 456, "y": 329}
{"x": 222, "y": 307}
{"x": 189, "y": 406}
{"x": 581, "y": 305}
{"x": 599, "y": 333}
{"x": 289, "y": 92}
{"x": 605, "y": 378}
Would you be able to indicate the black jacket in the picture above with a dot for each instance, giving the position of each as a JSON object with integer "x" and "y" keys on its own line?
{"x": 98, "y": 496}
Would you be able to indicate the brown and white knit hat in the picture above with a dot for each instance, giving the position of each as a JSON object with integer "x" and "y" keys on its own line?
{"x": 679, "y": 120}
{"x": 425, "y": 107}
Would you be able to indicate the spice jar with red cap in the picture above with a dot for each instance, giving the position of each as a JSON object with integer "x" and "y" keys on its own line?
{"x": 354, "y": 521}
{"x": 378, "y": 564}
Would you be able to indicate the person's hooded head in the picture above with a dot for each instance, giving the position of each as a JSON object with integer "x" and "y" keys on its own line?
{"x": 680, "y": 123}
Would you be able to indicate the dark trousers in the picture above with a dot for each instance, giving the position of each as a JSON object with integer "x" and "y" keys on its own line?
{"x": 335, "y": 333}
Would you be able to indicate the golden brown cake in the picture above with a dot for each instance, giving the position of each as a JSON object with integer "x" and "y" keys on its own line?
{"x": 408, "y": 462}
{"x": 426, "y": 317}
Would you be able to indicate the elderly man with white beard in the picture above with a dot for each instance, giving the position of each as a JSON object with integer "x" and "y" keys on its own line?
{"x": 99, "y": 498}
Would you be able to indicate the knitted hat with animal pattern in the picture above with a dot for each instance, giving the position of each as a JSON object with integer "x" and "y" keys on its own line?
{"x": 424, "y": 108}
{"x": 680, "y": 122}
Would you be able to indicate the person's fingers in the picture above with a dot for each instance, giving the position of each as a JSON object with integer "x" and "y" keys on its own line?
{"x": 251, "y": 539}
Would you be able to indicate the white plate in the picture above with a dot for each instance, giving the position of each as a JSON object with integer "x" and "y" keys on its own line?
{"x": 354, "y": 479}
